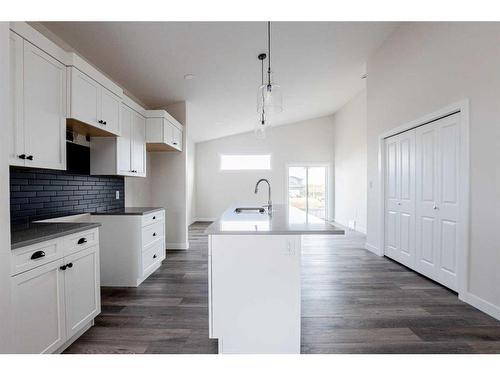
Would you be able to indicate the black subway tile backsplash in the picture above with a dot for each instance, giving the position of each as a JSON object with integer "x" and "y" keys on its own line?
{"x": 38, "y": 194}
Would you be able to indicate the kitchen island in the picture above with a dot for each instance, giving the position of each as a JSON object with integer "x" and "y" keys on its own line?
{"x": 254, "y": 277}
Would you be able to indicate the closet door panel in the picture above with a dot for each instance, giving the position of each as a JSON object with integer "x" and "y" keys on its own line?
{"x": 427, "y": 233}
{"x": 448, "y": 199}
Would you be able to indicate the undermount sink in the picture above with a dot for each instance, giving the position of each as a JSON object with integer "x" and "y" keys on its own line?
{"x": 250, "y": 210}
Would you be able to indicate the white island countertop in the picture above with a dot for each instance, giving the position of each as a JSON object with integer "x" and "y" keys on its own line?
{"x": 282, "y": 221}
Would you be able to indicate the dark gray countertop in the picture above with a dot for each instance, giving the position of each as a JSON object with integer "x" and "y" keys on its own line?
{"x": 130, "y": 211}
{"x": 28, "y": 234}
{"x": 282, "y": 221}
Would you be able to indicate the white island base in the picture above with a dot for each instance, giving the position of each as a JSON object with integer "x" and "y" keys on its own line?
{"x": 254, "y": 293}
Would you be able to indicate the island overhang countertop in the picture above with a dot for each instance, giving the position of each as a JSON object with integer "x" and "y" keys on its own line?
{"x": 283, "y": 220}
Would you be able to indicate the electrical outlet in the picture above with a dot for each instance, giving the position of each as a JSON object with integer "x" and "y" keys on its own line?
{"x": 118, "y": 194}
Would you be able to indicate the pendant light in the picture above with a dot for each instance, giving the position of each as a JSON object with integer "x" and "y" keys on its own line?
{"x": 270, "y": 100}
{"x": 263, "y": 123}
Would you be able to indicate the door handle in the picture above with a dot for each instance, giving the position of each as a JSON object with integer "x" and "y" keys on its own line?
{"x": 154, "y": 256}
{"x": 22, "y": 156}
{"x": 38, "y": 254}
{"x": 29, "y": 157}
{"x": 63, "y": 268}
{"x": 82, "y": 241}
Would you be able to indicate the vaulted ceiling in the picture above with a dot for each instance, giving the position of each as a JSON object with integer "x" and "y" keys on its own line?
{"x": 318, "y": 65}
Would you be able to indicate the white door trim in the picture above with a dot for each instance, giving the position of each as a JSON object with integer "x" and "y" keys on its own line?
{"x": 463, "y": 108}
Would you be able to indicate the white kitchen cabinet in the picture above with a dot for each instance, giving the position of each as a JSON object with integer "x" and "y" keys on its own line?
{"x": 81, "y": 281}
{"x": 254, "y": 293}
{"x": 163, "y": 132}
{"x": 55, "y": 302}
{"x": 94, "y": 105}
{"x": 138, "y": 144}
{"x": 16, "y": 124}
{"x": 124, "y": 155}
{"x": 124, "y": 142}
{"x": 132, "y": 247}
{"x": 38, "y": 303}
{"x": 38, "y": 107}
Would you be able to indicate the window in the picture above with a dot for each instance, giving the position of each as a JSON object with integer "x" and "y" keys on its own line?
{"x": 245, "y": 162}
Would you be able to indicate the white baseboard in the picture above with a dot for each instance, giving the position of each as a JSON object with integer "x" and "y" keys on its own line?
{"x": 480, "y": 304}
{"x": 373, "y": 249}
{"x": 204, "y": 219}
{"x": 177, "y": 246}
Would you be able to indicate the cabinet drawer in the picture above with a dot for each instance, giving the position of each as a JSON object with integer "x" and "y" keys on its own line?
{"x": 79, "y": 241}
{"x": 152, "y": 233}
{"x": 152, "y": 255}
{"x": 30, "y": 257}
{"x": 153, "y": 217}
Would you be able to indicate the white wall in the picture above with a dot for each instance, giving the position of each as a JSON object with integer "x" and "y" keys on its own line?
{"x": 419, "y": 69}
{"x": 138, "y": 190}
{"x": 350, "y": 162}
{"x": 168, "y": 172}
{"x": 306, "y": 141}
{"x": 5, "y": 301}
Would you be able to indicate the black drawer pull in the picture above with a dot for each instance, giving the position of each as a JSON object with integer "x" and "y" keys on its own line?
{"x": 154, "y": 256}
{"x": 38, "y": 254}
{"x": 70, "y": 265}
{"x": 22, "y": 156}
{"x": 82, "y": 241}
{"x": 154, "y": 234}
{"x": 154, "y": 217}
{"x": 29, "y": 157}
{"x": 175, "y": 143}
{"x": 63, "y": 267}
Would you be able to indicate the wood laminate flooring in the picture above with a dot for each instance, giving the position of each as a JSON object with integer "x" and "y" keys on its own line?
{"x": 352, "y": 302}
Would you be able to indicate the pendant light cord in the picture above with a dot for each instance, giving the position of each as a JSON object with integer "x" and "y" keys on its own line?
{"x": 269, "y": 53}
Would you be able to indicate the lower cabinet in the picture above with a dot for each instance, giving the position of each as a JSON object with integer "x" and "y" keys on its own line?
{"x": 82, "y": 298}
{"x": 39, "y": 313}
{"x": 54, "y": 302}
{"x": 132, "y": 247}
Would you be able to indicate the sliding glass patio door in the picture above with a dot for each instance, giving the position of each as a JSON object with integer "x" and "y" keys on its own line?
{"x": 308, "y": 191}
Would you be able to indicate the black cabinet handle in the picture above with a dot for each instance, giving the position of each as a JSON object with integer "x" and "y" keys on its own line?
{"x": 154, "y": 217}
{"x": 38, "y": 254}
{"x": 104, "y": 122}
{"x": 100, "y": 122}
{"x": 175, "y": 143}
{"x": 29, "y": 157}
{"x": 82, "y": 241}
{"x": 154, "y": 234}
{"x": 22, "y": 156}
{"x": 70, "y": 265}
{"x": 63, "y": 267}
{"x": 154, "y": 256}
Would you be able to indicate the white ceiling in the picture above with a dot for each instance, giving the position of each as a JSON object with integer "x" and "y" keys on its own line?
{"x": 317, "y": 64}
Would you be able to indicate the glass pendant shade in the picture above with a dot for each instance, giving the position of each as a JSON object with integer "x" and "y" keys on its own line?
{"x": 269, "y": 99}
{"x": 261, "y": 127}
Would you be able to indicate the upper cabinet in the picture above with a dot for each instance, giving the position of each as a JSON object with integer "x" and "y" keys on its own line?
{"x": 163, "y": 132}
{"x": 126, "y": 154}
{"x": 37, "y": 126}
{"x": 92, "y": 104}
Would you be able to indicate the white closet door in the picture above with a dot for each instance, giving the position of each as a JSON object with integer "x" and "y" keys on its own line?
{"x": 392, "y": 198}
{"x": 438, "y": 147}
{"x": 400, "y": 198}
